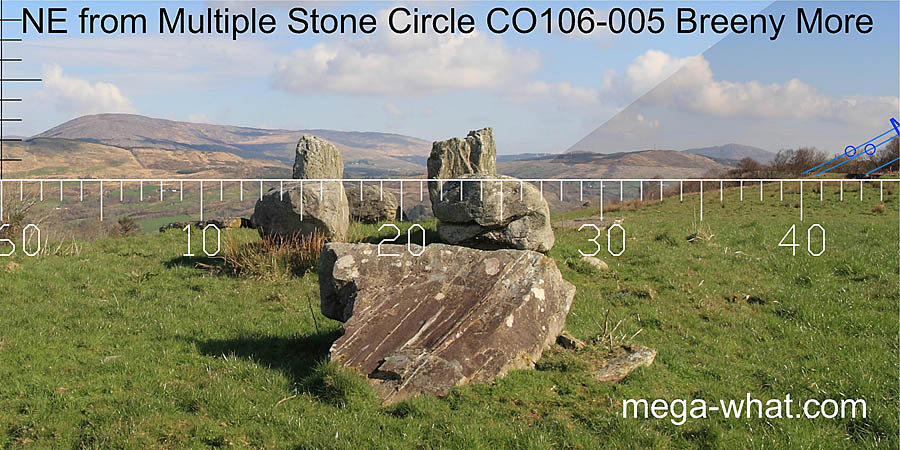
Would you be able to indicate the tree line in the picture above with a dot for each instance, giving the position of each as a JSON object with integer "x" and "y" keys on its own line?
{"x": 793, "y": 162}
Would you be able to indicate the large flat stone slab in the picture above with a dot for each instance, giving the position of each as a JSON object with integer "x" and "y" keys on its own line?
{"x": 453, "y": 315}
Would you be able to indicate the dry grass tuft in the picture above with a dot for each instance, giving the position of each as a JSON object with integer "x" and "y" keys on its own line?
{"x": 703, "y": 234}
{"x": 272, "y": 259}
{"x": 17, "y": 216}
{"x": 879, "y": 208}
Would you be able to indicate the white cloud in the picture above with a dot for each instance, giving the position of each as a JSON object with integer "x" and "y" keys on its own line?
{"x": 651, "y": 68}
{"x": 408, "y": 64}
{"x": 394, "y": 110}
{"x": 563, "y": 92}
{"x": 81, "y": 96}
{"x": 688, "y": 84}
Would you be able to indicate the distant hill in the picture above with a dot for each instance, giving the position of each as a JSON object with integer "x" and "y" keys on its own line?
{"x": 362, "y": 151}
{"x": 734, "y": 152}
{"x": 642, "y": 164}
{"x": 54, "y": 157}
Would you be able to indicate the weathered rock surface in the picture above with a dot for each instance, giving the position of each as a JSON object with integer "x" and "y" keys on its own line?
{"x": 618, "y": 368}
{"x": 597, "y": 263}
{"x": 373, "y": 205}
{"x": 299, "y": 209}
{"x": 483, "y": 217}
{"x": 321, "y": 206}
{"x": 477, "y": 153}
{"x": 450, "y": 316}
{"x": 417, "y": 213}
{"x": 316, "y": 158}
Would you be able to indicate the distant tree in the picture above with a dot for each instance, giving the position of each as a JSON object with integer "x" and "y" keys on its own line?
{"x": 750, "y": 165}
{"x": 794, "y": 162}
{"x": 125, "y": 226}
{"x": 882, "y": 156}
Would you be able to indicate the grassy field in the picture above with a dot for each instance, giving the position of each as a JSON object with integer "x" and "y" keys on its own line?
{"x": 125, "y": 343}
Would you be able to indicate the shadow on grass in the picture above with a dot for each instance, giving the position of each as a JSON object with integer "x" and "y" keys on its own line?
{"x": 194, "y": 262}
{"x": 304, "y": 360}
{"x": 297, "y": 357}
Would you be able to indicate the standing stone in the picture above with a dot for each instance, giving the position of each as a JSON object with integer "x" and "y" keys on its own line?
{"x": 323, "y": 208}
{"x": 375, "y": 204}
{"x": 317, "y": 158}
{"x": 483, "y": 217}
{"x": 477, "y": 213}
{"x": 477, "y": 153}
{"x": 450, "y": 316}
{"x": 302, "y": 208}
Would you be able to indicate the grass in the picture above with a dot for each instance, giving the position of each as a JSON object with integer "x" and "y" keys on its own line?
{"x": 128, "y": 344}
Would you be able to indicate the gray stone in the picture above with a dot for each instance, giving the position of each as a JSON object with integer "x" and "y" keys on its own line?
{"x": 321, "y": 206}
{"x": 316, "y": 158}
{"x": 450, "y": 316}
{"x": 375, "y": 205}
{"x": 596, "y": 263}
{"x": 618, "y": 368}
{"x": 483, "y": 217}
{"x": 477, "y": 153}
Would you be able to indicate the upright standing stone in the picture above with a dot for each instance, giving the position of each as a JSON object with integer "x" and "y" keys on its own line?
{"x": 299, "y": 209}
{"x": 505, "y": 213}
{"x": 477, "y": 154}
{"x": 317, "y": 158}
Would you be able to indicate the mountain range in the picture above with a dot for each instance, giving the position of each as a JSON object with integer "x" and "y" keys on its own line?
{"x": 362, "y": 152}
{"x": 734, "y": 152}
{"x": 126, "y": 145}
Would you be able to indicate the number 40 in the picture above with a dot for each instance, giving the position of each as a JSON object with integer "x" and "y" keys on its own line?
{"x": 793, "y": 244}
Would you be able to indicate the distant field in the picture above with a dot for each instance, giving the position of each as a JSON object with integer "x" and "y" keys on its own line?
{"x": 125, "y": 343}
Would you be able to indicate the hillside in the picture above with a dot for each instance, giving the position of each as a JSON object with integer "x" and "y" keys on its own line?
{"x": 362, "y": 151}
{"x": 125, "y": 343}
{"x": 53, "y": 157}
{"x": 734, "y": 152}
{"x": 644, "y": 164}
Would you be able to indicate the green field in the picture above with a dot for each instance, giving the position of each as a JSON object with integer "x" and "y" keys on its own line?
{"x": 124, "y": 343}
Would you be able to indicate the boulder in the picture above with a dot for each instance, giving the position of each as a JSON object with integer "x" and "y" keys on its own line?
{"x": 484, "y": 217}
{"x": 417, "y": 213}
{"x": 371, "y": 205}
{"x": 597, "y": 263}
{"x": 450, "y": 316}
{"x": 301, "y": 209}
{"x": 477, "y": 153}
{"x": 616, "y": 369}
{"x": 317, "y": 158}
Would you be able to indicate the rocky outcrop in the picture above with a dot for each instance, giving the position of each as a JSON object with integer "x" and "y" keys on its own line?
{"x": 372, "y": 205}
{"x": 450, "y": 316}
{"x": 292, "y": 213}
{"x": 317, "y": 158}
{"x": 477, "y": 153}
{"x": 485, "y": 216}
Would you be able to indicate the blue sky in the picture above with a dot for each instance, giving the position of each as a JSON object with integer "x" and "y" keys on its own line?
{"x": 540, "y": 93}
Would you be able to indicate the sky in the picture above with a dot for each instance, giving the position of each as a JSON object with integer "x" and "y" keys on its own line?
{"x": 541, "y": 93}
